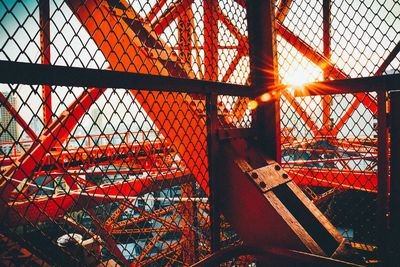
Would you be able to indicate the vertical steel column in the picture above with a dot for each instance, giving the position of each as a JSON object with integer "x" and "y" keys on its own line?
{"x": 326, "y": 100}
{"x": 185, "y": 30}
{"x": 264, "y": 72}
{"x": 211, "y": 40}
{"x": 44, "y": 13}
{"x": 211, "y": 73}
{"x": 212, "y": 147}
{"x": 394, "y": 207}
{"x": 383, "y": 170}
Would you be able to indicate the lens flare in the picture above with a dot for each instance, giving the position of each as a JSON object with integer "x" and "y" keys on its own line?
{"x": 266, "y": 97}
{"x": 253, "y": 105}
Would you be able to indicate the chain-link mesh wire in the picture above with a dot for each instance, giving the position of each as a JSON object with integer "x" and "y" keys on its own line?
{"x": 329, "y": 143}
{"x": 176, "y": 38}
{"x": 111, "y": 174}
{"x": 123, "y": 173}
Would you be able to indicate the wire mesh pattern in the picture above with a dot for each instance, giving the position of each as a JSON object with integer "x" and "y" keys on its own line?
{"x": 112, "y": 178}
{"x": 329, "y": 143}
{"x": 182, "y": 38}
{"x": 234, "y": 112}
{"x": 109, "y": 175}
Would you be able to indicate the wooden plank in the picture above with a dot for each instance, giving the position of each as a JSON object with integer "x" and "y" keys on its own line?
{"x": 317, "y": 213}
{"x": 294, "y": 224}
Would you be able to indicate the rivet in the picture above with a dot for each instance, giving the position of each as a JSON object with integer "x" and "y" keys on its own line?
{"x": 277, "y": 167}
{"x": 263, "y": 185}
{"x": 254, "y": 175}
{"x": 285, "y": 175}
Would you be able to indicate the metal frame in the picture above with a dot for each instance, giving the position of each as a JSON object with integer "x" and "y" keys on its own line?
{"x": 263, "y": 79}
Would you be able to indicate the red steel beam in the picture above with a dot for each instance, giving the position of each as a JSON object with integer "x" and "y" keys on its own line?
{"x": 133, "y": 221}
{"x": 109, "y": 243}
{"x": 176, "y": 10}
{"x": 16, "y": 115}
{"x": 301, "y": 112}
{"x": 326, "y": 100}
{"x": 44, "y": 14}
{"x": 283, "y": 10}
{"x": 154, "y": 11}
{"x": 55, "y": 134}
{"x": 297, "y": 162}
{"x": 320, "y": 60}
{"x": 356, "y": 102}
{"x": 233, "y": 29}
{"x": 43, "y": 207}
{"x": 180, "y": 122}
{"x": 349, "y": 179}
{"x": 210, "y": 20}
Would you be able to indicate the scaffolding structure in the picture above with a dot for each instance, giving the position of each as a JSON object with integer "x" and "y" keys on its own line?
{"x": 120, "y": 119}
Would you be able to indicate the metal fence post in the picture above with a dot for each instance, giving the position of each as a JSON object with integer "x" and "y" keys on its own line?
{"x": 394, "y": 208}
{"x": 211, "y": 106}
{"x": 383, "y": 164}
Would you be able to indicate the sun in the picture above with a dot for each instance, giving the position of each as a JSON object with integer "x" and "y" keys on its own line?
{"x": 297, "y": 79}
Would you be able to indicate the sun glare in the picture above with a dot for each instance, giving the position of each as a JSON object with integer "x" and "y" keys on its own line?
{"x": 297, "y": 79}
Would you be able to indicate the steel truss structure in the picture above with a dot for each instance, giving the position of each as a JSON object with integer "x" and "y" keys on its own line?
{"x": 113, "y": 113}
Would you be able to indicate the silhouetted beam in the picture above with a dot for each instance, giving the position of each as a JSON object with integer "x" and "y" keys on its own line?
{"x": 27, "y": 73}
{"x": 350, "y": 86}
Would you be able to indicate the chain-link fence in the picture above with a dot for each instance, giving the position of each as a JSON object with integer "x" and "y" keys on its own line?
{"x": 329, "y": 143}
{"x": 112, "y": 175}
{"x": 120, "y": 175}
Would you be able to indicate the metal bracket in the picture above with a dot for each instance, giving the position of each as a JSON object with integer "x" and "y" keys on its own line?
{"x": 268, "y": 177}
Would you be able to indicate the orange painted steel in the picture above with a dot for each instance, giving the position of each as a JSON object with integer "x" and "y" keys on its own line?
{"x": 122, "y": 46}
{"x": 182, "y": 119}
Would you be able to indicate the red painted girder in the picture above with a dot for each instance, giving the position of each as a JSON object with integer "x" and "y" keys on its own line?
{"x": 109, "y": 150}
{"x": 171, "y": 248}
{"x": 356, "y": 102}
{"x": 43, "y": 207}
{"x": 349, "y": 179}
{"x": 283, "y": 10}
{"x": 298, "y": 162}
{"x": 347, "y": 145}
{"x": 109, "y": 243}
{"x": 243, "y": 46}
{"x": 176, "y": 10}
{"x": 121, "y": 225}
{"x": 56, "y": 134}
{"x": 15, "y": 115}
{"x": 154, "y": 11}
{"x": 301, "y": 112}
{"x": 324, "y": 151}
{"x": 155, "y": 240}
{"x": 232, "y": 67}
{"x": 170, "y": 112}
{"x": 210, "y": 19}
